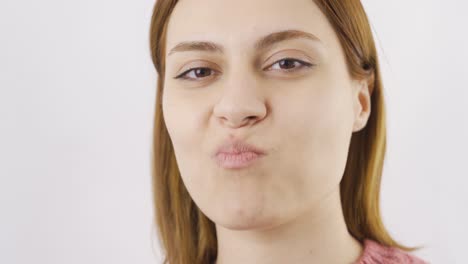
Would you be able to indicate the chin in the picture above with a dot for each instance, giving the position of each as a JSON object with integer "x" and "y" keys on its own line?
{"x": 244, "y": 220}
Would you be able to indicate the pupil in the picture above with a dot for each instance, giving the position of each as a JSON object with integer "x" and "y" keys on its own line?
{"x": 201, "y": 72}
{"x": 288, "y": 63}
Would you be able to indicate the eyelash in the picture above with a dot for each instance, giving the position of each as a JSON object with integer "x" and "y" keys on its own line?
{"x": 303, "y": 65}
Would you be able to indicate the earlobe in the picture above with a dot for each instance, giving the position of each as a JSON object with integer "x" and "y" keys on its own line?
{"x": 362, "y": 105}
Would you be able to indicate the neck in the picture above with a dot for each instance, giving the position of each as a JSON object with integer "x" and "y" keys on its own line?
{"x": 318, "y": 236}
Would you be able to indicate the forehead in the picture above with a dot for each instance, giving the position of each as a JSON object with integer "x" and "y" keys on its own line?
{"x": 239, "y": 23}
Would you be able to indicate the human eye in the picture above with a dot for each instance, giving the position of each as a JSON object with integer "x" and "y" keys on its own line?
{"x": 290, "y": 64}
{"x": 195, "y": 74}
{"x": 285, "y": 65}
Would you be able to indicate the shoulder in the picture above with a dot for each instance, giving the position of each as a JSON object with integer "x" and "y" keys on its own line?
{"x": 376, "y": 253}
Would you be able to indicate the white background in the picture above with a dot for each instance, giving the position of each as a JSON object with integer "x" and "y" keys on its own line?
{"x": 77, "y": 91}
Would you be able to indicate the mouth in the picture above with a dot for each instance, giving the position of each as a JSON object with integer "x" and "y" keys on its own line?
{"x": 237, "y": 154}
{"x": 237, "y": 160}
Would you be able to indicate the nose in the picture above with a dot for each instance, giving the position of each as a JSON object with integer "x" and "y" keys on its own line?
{"x": 241, "y": 103}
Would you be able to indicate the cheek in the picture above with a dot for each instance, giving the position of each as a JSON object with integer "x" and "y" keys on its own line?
{"x": 184, "y": 123}
{"x": 181, "y": 124}
{"x": 183, "y": 116}
{"x": 174, "y": 115}
{"x": 319, "y": 131}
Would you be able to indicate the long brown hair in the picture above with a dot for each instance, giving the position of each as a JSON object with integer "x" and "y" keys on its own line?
{"x": 188, "y": 236}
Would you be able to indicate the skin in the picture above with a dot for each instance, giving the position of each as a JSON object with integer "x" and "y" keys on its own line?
{"x": 285, "y": 208}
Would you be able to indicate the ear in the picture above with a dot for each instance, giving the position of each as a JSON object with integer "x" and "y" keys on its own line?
{"x": 362, "y": 104}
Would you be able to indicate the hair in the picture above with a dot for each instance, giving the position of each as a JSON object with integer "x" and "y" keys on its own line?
{"x": 188, "y": 236}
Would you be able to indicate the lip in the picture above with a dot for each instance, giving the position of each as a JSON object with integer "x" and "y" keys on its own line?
{"x": 237, "y": 154}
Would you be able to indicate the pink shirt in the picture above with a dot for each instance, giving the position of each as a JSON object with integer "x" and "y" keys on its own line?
{"x": 376, "y": 253}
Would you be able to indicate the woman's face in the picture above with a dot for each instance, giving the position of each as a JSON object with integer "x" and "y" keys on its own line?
{"x": 292, "y": 97}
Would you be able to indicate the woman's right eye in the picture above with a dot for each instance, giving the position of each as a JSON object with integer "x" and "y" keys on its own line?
{"x": 194, "y": 73}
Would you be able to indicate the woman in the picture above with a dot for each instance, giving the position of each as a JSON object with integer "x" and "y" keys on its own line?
{"x": 266, "y": 149}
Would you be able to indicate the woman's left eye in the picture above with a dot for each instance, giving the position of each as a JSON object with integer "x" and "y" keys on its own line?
{"x": 290, "y": 64}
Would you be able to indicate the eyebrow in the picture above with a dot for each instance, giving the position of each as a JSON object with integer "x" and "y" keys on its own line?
{"x": 263, "y": 43}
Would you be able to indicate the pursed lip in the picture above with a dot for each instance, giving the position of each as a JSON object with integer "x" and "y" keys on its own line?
{"x": 237, "y": 154}
{"x": 237, "y": 146}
